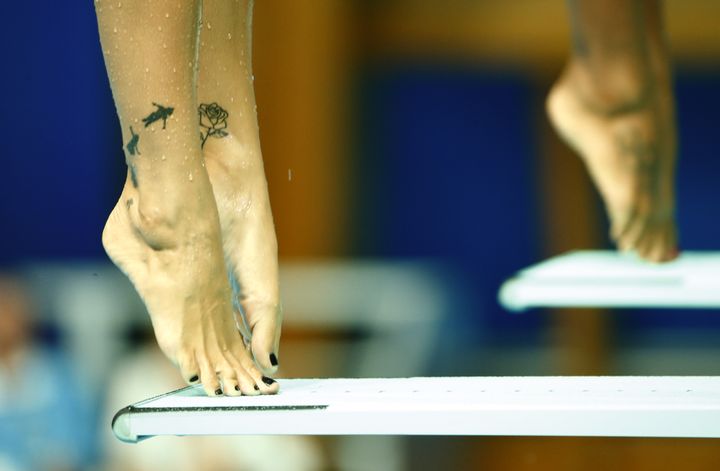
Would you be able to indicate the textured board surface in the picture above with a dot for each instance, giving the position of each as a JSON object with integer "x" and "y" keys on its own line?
{"x": 662, "y": 406}
{"x": 613, "y": 279}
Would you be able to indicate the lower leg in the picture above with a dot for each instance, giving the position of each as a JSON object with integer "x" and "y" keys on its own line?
{"x": 614, "y": 106}
{"x": 164, "y": 232}
{"x": 231, "y": 146}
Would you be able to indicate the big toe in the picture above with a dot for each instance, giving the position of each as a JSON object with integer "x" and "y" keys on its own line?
{"x": 266, "y": 338}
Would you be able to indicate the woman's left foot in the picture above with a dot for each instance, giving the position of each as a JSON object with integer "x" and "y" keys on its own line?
{"x": 629, "y": 150}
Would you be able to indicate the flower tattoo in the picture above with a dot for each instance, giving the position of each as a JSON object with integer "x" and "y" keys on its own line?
{"x": 213, "y": 120}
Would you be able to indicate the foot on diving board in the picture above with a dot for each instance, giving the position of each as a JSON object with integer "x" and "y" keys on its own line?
{"x": 618, "y": 406}
{"x": 613, "y": 279}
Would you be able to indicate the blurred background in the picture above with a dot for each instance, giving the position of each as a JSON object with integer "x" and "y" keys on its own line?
{"x": 411, "y": 170}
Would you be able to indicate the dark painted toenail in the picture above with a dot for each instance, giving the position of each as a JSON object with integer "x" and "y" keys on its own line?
{"x": 273, "y": 360}
{"x": 194, "y": 378}
{"x": 218, "y": 392}
{"x": 256, "y": 387}
{"x": 237, "y": 388}
{"x": 268, "y": 381}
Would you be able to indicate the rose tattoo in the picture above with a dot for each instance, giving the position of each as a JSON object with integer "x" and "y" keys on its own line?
{"x": 213, "y": 120}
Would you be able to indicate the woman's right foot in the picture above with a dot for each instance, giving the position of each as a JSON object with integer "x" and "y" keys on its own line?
{"x": 629, "y": 150}
{"x": 181, "y": 278}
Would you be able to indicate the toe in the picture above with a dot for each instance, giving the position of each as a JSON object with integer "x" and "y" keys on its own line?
{"x": 656, "y": 249}
{"x": 619, "y": 224}
{"x": 242, "y": 363}
{"x": 228, "y": 379}
{"x": 246, "y": 383}
{"x": 651, "y": 247}
{"x": 670, "y": 250}
{"x": 189, "y": 367}
{"x": 209, "y": 378}
{"x": 268, "y": 385}
{"x": 266, "y": 338}
{"x": 672, "y": 243}
{"x": 633, "y": 234}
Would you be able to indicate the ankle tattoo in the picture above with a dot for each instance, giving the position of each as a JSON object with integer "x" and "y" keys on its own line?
{"x": 162, "y": 112}
{"x": 132, "y": 146}
{"x": 213, "y": 120}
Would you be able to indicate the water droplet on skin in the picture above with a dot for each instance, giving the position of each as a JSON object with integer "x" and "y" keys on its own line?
{"x": 147, "y": 69}
{"x": 232, "y": 99}
{"x": 289, "y": 174}
{"x": 164, "y": 46}
{"x": 114, "y": 30}
{"x": 162, "y": 157}
{"x": 229, "y": 35}
{"x": 174, "y": 69}
{"x": 167, "y": 15}
{"x": 159, "y": 28}
{"x": 209, "y": 26}
{"x": 119, "y": 4}
{"x": 252, "y": 77}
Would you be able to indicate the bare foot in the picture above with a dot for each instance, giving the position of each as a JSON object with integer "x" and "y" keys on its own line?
{"x": 238, "y": 181}
{"x": 179, "y": 273}
{"x": 629, "y": 150}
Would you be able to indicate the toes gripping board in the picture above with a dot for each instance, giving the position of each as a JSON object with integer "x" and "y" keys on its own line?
{"x": 611, "y": 279}
{"x": 613, "y": 406}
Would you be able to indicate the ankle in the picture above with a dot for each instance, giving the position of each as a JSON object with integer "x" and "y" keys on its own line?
{"x": 165, "y": 221}
{"x": 615, "y": 88}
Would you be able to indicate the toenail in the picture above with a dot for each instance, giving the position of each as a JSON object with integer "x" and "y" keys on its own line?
{"x": 218, "y": 392}
{"x": 257, "y": 388}
{"x": 237, "y": 388}
{"x": 194, "y": 378}
{"x": 273, "y": 360}
{"x": 268, "y": 381}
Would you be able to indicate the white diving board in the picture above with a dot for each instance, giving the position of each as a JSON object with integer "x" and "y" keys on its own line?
{"x": 612, "y": 279}
{"x": 610, "y": 406}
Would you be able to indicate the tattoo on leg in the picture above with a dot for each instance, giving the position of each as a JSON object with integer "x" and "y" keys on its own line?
{"x": 213, "y": 120}
{"x": 132, "y": 146}
{"x": 162, "y": 112}
{"x": 579, "y": 42}
{"x": 133, "y": 176}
